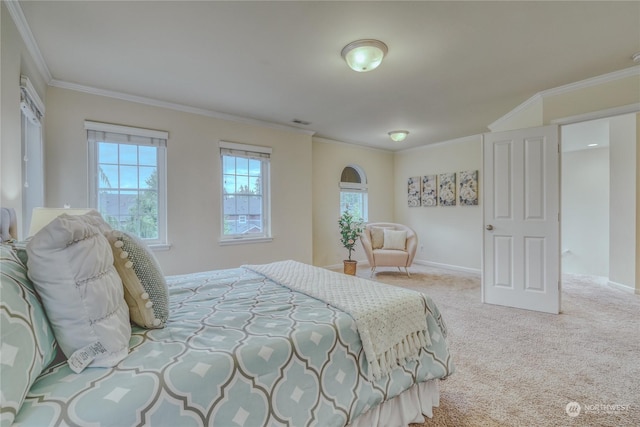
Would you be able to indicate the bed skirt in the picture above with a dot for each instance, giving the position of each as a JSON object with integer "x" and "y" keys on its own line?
{"x": 411, "y": 406}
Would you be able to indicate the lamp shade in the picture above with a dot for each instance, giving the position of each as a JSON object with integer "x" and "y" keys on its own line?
{"x": 398, "y": 135}
{"x": 364, "y": 55}
{"x": 40, "y": 217}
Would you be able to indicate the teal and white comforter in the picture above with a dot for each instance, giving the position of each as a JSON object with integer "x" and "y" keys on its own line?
{"x": 238, "y": 350}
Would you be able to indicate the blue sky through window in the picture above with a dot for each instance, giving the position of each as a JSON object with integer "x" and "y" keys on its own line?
{"x": 126, "y": 166}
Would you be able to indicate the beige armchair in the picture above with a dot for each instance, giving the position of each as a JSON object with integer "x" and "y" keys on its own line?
{"x": 395, "y": 247}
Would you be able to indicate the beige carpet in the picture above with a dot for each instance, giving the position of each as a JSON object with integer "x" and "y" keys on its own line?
{"x": 522, "y": 368}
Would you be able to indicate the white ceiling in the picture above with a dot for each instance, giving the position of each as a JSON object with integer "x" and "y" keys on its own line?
{"x": 582, "y": 136}
{"x": 452, "y": 67}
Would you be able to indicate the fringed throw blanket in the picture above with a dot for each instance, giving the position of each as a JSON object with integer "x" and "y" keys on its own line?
{"x": 391, "y": 321}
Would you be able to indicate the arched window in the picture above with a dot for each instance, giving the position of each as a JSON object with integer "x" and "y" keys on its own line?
{"x": 353, "y": 192}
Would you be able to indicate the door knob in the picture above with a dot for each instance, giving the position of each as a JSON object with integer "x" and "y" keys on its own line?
{"x": 489, "y": 227}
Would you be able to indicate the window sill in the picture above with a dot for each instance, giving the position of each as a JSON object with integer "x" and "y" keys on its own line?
{"x": 244, "y": 240}
{"x": 160, "y": 247}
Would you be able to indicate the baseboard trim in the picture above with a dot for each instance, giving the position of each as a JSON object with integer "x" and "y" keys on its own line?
{"x": 475, "y": 271}
{"x": 339, "y": 266}
{"x": 332, "y": 266}
{"x": 622, "y": 287}
{"x": 365, "y": 264}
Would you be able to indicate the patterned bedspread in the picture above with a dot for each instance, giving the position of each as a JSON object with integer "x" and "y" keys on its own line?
{"x": 238, "y": 350}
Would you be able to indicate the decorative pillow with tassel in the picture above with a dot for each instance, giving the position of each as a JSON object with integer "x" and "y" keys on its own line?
{"x": 145, "y": 288}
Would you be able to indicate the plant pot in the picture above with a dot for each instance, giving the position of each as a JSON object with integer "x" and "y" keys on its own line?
{"x": 350, "y": 267}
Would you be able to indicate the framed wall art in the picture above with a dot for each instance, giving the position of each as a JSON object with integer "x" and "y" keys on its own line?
{"x": 468, "y": 188}
{"x": 429, "y": 193}
{"x": 413, "y": 191}
{"x": 447, "y": 189}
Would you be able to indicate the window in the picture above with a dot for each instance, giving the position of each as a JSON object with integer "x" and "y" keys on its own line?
{"x": 353, "y": 192}
{"x": 127, "y": 170}
{"x": 245, "y": 192}
{"x": 32, "y": 110}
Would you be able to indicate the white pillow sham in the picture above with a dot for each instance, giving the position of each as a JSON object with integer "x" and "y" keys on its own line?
{"x": 71, "y": 265}
{"x": 395, "y": 239}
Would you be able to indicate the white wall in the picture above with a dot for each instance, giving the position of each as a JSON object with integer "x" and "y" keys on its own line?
{"x": 622, "y": 246}
{"x": 329, "y": 158}
{"x": 585, "y": 212}
{"x": 193, "y": 177}
{"x": 447, "y": 236}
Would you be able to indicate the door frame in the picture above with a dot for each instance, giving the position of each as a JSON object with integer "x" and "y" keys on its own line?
{"x": 568, "y": 120}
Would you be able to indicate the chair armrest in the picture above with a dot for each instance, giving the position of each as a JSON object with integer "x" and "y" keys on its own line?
{"x": 412, "y": 246}
{"x": 367, "y": 246}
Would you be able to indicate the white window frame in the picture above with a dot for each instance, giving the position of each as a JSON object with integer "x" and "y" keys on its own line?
{"x": 133, "y": 136}
{"x": 32, "y": 113}
{"x": 257, "y": 153}
{"x": 360, "y": 188}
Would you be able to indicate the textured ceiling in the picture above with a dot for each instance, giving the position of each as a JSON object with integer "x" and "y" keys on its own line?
{"x": 452, "y": 68}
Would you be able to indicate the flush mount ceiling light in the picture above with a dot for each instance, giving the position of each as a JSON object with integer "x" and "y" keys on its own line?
{"x": 398, "y": 135}
{"x": 636, "y": 57}
{"x": 364, "y": 55}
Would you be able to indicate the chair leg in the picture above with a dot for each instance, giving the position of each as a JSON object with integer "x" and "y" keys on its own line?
{"x": 407, "y": 270}
{"x": 373, "y": 269}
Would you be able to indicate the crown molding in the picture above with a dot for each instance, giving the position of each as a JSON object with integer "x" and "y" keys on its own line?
{"x": 349, "y": 144}
{"x": 27, "y": 36}
{"x": 601, "y": 114}
{"x": 582, "y": 84}
{"x": 175, "y": 106}
{"x": 593, "y": 81}
{"x": 526, "y": 104}
{"x": 476, "y": 138}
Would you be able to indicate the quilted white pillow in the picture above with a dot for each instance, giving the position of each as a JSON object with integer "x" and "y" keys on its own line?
{"x": 71, "y": 265}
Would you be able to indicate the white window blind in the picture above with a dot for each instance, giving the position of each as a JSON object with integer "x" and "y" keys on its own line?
{"x": 32, "y": 109}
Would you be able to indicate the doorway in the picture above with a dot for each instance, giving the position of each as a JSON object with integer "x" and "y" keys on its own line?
{"x": 598, "y": 198}
{"x": 585, "y": 198}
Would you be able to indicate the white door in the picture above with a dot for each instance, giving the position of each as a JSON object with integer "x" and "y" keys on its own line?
{"x": 521, "y": 245}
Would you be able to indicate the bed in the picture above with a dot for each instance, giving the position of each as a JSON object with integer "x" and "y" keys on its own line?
{"x": 238, "y": 349}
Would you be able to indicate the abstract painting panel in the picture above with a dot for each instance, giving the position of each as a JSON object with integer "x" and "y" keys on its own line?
{"x": 447, "y": 189}
{"x": 468, "y": 188}
{"x": 429, "y": 191}
{"x": 413, "y": 191}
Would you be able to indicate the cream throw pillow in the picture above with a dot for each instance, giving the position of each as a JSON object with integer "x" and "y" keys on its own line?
{"x": 377, "y": 237}
{"x": 395, "y": 239}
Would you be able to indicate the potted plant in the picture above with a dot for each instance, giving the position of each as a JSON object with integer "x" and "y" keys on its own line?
{"x": 350, "y": 230}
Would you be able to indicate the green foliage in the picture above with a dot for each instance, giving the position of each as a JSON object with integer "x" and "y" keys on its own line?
{"x": 350, "y": 230}
{"x": 143, "y": 215}
{"x": 143, "y": 220}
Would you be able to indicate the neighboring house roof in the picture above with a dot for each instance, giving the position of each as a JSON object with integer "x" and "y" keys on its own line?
{"x": 115, "y": 205}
